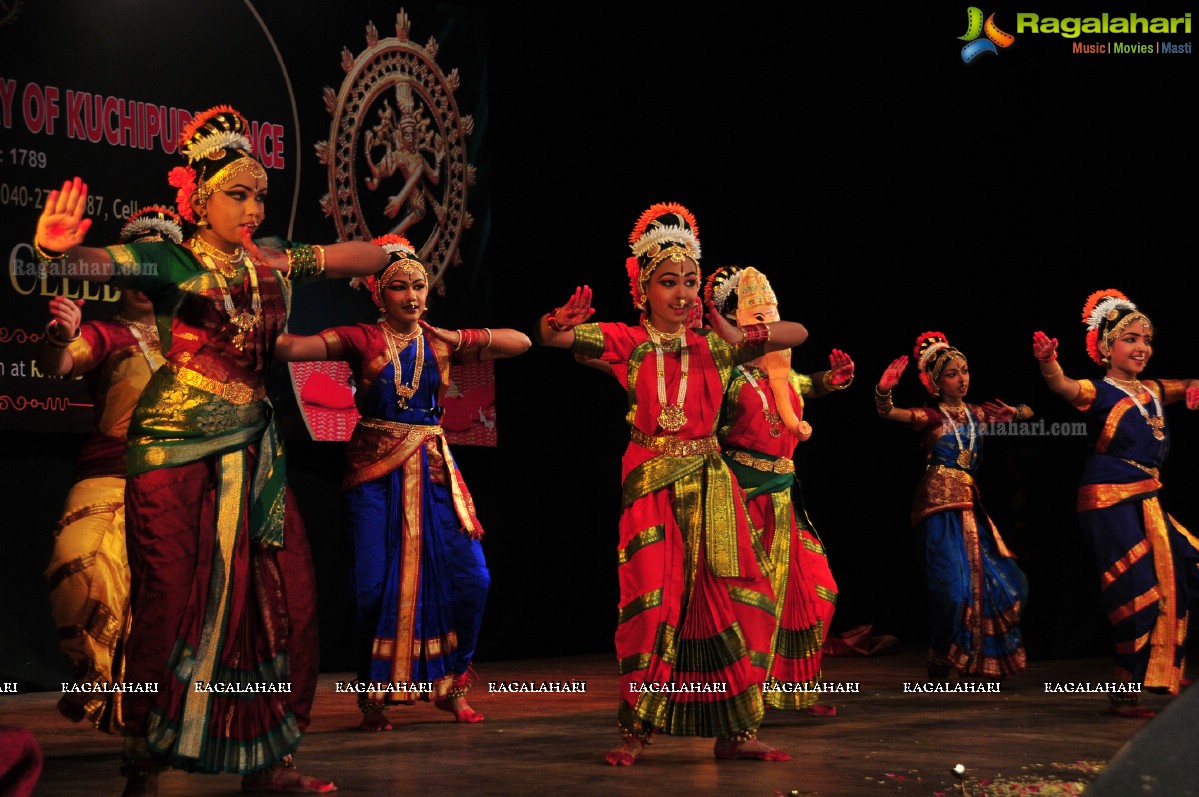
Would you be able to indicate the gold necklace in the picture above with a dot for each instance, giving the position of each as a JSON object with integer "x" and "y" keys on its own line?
{"x": 658, "y": 334}
{"x": 244, "y": 321}
{"x": 966, "y": 454}
{"x": 404, "y": 392}
{"x": 146, "y": 336}
{"x": 1156, "y": 422}
{"x": 405, "y": 337}
{"x": 671, "y": 417}
{"x": 200, "y": 245}
{"x": 1125, "y": 384}
{"x": 772, "y": 418}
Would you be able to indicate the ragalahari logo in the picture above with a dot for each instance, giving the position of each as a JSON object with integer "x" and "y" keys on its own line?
{"x": 975, "y": 27}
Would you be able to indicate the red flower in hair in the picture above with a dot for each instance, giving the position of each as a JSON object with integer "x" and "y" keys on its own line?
{"x": 923, "y": 341}
{"x": 1093, "y": 346}
{"x": 661, "y": 209}
{"x": 926, "y": 339}
{"x": 184, "y": 178}
{"x": 634, "y": 271}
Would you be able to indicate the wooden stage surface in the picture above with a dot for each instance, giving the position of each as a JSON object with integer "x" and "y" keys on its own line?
{"x": 882, "y": 741}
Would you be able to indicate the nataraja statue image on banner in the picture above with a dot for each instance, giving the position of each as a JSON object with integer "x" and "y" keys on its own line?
{"x": 396, "y": 163}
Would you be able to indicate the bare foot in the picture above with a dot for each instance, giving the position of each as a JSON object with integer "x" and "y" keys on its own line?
{"x": 374, "y": 720}
{"x": 821, "y": 710}
{"x": 459, "y": 708}
{"x": 753, "y": 750}
{"x": 625, "y": 753}
{"x": 1131, "y": 711}
{"x": 286, "y": 778}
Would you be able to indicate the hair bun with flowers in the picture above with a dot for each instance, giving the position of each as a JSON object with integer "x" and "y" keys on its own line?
{"x": 1106, "y": 313}
{"x": 720, "y": 288}
{"x": 153, "y": 223}
{"x": 666, "y": 229}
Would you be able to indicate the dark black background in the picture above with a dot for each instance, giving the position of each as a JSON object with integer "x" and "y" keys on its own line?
{"x": 885, "y": 188}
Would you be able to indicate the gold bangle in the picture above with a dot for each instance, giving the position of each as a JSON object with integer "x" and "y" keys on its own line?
{"x": 488, "y": 331}
{"x": 54, "y": 340}
{"x": 45, "y": 256}
{"x": 827, "y": 381}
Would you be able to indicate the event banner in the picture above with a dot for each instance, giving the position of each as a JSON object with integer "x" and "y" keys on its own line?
{"x": 364, "y": 120}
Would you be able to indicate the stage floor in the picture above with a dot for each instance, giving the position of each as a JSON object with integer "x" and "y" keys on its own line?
{"x": 882, "y": 740}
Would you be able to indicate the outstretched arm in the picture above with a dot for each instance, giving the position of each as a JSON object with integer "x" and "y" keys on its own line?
{"x": 300, "y": 348}
{"x": 346, "y": 259}
{"x": 492, "y": 344}
{"x": 556, "y": 328}
{"x": 780, "y": 334}
{"x": 60, "y": 232}
{"x": 998, "y": 411}
{"x": 1044, "y": 348}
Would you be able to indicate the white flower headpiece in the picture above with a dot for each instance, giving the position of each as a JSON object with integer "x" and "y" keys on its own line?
{"x": 214, "y": 143}
{"x": 1106, "y": 307}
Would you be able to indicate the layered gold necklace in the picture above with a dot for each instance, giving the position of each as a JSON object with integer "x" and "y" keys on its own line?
{"x": 245, "y": 321}
{"x": 966, "y": 455}
{"x": 229, "y": 259}
{"x": 671, "y": 418}
{"x": 404, "y": 392}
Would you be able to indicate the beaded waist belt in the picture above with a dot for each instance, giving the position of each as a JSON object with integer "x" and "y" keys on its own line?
{"x": 395, "y": 427}
{"x": 672, "y": 446}
{"x": 780, "y": 465}
{"x": 232, "y": 392}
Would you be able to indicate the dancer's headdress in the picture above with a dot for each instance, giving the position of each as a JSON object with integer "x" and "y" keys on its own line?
{"x": 1107, "y": 313}
{"x": 402, "y": 258}
{"x": 217, "y": 147}
{"x": 153, "y": 223}
{"x": 933, "y": 353}
{"x": 666, "y": 230}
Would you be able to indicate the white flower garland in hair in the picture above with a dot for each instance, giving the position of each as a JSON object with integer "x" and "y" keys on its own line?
{"x": 931, "y": 350}
{"x": 1106, "y": 306}
{"x": 392, "y": 248}
{"x": 668, "y": 232}
{"x": 222, "y": 139}
{"x": 720, "y": 296}
{"x": 164, "y": 227}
